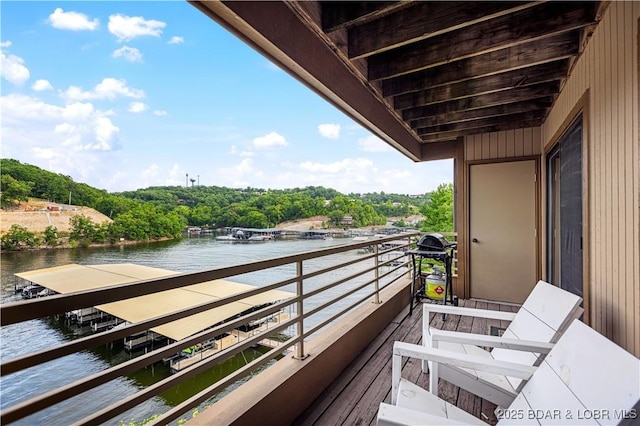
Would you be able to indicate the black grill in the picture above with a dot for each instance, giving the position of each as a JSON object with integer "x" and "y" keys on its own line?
{"x": 434, "y": 242}
{"x": 432, "y": 246}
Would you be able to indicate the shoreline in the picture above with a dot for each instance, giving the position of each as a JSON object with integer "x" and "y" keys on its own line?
{"x": 67, "y": 246}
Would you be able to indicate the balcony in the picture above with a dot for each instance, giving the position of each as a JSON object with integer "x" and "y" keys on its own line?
{"x": 334, "y": 313}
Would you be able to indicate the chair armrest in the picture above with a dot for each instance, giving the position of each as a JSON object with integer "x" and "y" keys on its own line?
{"x": 392, "y": 415}
{"x": 460, "y": 310}
{"x": 490, "y": 341}
{"x": 457, "y": 359}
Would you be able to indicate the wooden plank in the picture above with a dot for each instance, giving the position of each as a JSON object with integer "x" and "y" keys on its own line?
{"x": 492, "y": 111}
{"x": 446, "y": 390}
{"x": 488, "y": 129}
{"x": 493, "y": 144}
{"x": 380, "y": 348}
{"x": 483, "y": 122}
{"x": 423, "y": 20}
{"x": 502, "y": 144}
{"x": 632, "y": 167}
{"x": 337, "y": 15}
{"x": 337, "y": 403}
{"x": 496, "y": 82}
{"x": 438, "y": 151}
{"x": 554, "y": 48}
{"x": 539, "y": 90}
{"x": 543, "y": 20}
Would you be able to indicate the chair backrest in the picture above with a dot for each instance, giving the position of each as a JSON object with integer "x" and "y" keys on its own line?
{"x": 585, "y": 379}
{"x": 543, "y": 317}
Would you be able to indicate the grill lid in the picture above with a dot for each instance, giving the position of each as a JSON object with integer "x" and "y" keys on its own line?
{"x": 434, "y": 242}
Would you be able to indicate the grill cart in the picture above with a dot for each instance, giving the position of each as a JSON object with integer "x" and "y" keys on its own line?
{"x": 437, "y": 285}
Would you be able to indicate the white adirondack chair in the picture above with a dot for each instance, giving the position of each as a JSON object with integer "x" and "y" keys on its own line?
{"x": 538, "y": 324}
{"x": 585, "y": 379}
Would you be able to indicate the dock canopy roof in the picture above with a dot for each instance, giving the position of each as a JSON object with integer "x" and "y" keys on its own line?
{"x": 73, "y": 278}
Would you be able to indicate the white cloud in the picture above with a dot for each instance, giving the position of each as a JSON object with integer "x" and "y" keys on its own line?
{"x": 236, "y": 151}
{"x": 5, "y": 43}
{"x": 74, "y": 139}
{"x": 345, "y": 166}
{"x": 373, "y": 144}
{"x": 127, "y": 28}
{"x": 136, "y": 107}
{"x": 176, "y": 40}
{"x": 41, "y": 85}
{"x": 131, "y": 54}
{"x": 160, "y": 113}
{"x": 330, "y": 131}
{"x": 12, "y": 68}
{"x": 270, "y": 140}
{"x": 239, "y": 175}
{"x": 73, "y": 21}
{"x": 109, "y": 88}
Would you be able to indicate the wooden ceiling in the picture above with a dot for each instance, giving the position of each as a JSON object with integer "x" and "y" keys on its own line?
{"x": 422, "y": 74}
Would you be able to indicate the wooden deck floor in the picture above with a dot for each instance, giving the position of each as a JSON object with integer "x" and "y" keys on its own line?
{"x": 354, "y": 397}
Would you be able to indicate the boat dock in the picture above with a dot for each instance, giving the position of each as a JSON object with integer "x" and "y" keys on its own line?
{"x": 236, "y": 336}
{"x": 141, "y": 308}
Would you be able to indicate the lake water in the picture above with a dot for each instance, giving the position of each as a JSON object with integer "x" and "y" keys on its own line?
{"x": 186, "y": 255}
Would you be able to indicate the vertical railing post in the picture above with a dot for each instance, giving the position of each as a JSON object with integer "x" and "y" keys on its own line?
{"x": 300, "y": 324}
{"x": 376, "y": 259}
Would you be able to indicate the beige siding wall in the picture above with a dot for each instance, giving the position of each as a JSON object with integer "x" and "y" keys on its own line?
{"x": 505, "y": 144}
{"x": 608, "y": 70}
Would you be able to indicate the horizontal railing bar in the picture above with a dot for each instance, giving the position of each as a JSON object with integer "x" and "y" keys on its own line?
{"x": 30, "y": 360}
{"x": 317, "y": 327}
{"x": 339, "y": 298}
{"x": 176, "y": 281}
{"x": 207, "y": 393}
{"x": 136, "y": 399}
{"x": 48, "y": 399}
{"x": 337, "y": 283}
{"x": 15, "y": 312}
{"x": 336, "y": 266}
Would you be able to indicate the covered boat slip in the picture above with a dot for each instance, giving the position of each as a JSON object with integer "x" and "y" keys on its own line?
{"x": 73, "y": 278}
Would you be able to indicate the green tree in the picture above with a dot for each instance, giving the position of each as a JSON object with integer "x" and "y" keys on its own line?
{"x": 13, "y": 190}
{"x": 51, "y": 236}
{"x": 439, "y": 210}
{"x": 17, "y": 238}
{"x": 82, "y": 229}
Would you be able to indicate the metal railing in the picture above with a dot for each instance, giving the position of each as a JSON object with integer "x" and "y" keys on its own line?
{"x": 361, "y": 278}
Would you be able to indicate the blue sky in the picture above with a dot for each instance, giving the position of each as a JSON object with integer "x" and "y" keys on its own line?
{"x": 126, "y": 95}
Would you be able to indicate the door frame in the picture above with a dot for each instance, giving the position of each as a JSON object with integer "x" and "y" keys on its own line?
{"x": 581, "y": 107}
{"x": 538, "y": 222}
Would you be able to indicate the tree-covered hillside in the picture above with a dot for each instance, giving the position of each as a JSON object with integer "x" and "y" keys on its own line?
{"x": 208, "y": 205}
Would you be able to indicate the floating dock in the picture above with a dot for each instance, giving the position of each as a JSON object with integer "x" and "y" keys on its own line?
{"x": 73, "y": 278}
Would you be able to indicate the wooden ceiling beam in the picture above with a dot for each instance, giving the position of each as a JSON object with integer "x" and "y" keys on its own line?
{"x": 422, "y": 20}
{"x": 337, "y": 15}
{"x": 440, "y": 150}
{"x": 517, "y": 78}
{"x": 541, "y": 21}
{"x": 445, "y": 136}
{"x": 483, "y": 122}
{"x": 493, "y": 111}
{"x": 482, "y": 101}
{"x": 561, "y": 46}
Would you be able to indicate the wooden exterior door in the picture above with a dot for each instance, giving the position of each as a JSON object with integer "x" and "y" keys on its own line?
{"x": 503, "y": 236}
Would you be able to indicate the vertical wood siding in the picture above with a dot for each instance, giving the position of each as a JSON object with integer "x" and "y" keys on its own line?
{"x": 505, "y": 144}
{"x": 608, "y": 69}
